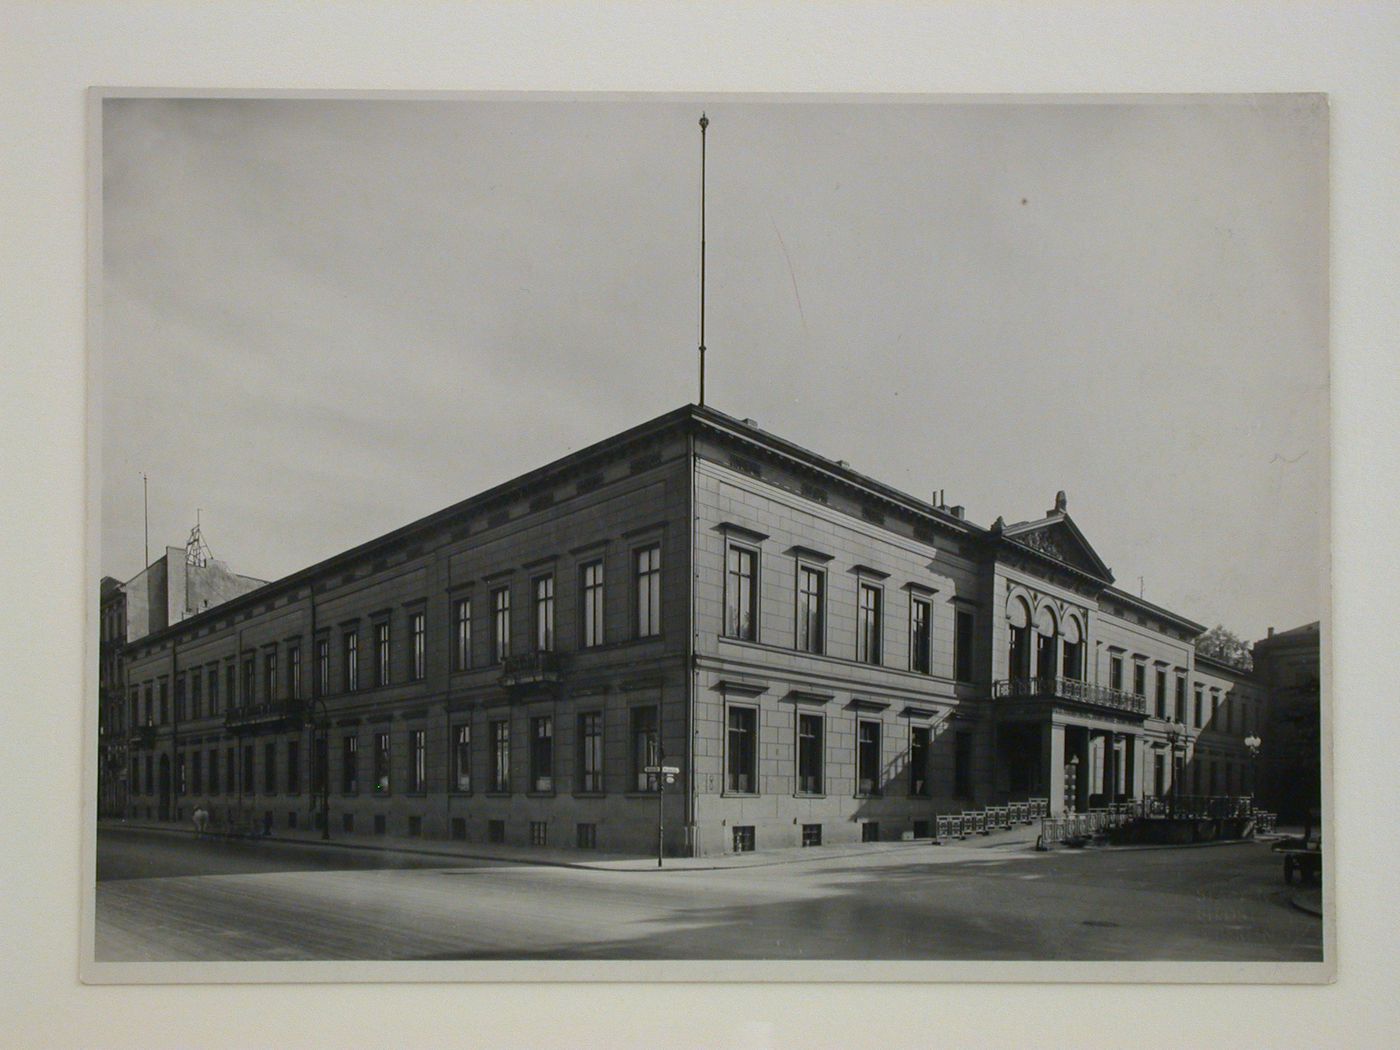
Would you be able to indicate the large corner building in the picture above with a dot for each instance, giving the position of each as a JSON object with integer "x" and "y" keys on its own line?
{"x": 822, "y": 657}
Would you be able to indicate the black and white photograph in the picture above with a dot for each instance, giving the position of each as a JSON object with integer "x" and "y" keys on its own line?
{"x": 542, "y": 535}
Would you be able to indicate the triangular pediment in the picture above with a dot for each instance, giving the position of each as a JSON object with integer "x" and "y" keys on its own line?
{"x": 1057, "y": 537}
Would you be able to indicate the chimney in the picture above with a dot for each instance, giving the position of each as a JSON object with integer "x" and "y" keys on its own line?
{"x": 1271, "y": 632}
{"x": 846, "y": 463}
{"x": 958, "y": 512}
{"x": 751, "y": 423}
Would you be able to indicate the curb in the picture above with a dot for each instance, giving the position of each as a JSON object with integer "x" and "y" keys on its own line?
{"x": 889, "y": 847}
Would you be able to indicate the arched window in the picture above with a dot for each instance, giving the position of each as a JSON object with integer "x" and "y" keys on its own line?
{"x": 1047, "y": 642}
{"x": 1072, "y": 650}
{"x": 1018, "y": 618}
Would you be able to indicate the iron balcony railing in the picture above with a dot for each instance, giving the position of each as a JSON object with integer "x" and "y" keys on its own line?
{"x": 1070, "y": 689}
{"x": 530, "y": 669}
{"x": 266, "y": 716}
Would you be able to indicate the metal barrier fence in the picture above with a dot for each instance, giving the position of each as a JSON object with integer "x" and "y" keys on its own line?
{"x": 1098, "y": 821}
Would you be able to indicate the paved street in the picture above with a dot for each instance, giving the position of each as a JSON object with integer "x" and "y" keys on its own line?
{"x": 164, "y": 896}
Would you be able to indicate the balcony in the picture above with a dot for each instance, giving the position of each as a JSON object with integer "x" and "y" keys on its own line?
{"x": 537, "y": 668}
{"x": 1070, "y": 689}
{"x": 280, "y": 714}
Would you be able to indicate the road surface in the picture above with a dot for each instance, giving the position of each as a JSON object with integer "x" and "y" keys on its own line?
{"x": 167, "y": 896}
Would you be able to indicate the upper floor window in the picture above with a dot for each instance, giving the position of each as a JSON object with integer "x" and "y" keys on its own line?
{"x": 500, "y": 624}
{"x": 500, "y": 756}
{"x": 213, "y": 675}
{"x": 352, "y": 661}
{"x": 418, "y": 634}
{"x": 381, "y": 763}
{"x": 381, "y": 653}
{"x": 270, "y": 675}
{"x": 1139, "y": 678}
{"x": 648, "y": 572}
{"x": 180, "y": 713}
{"x": 163, "y": 688}
{"x": 962, "y": 645}
{"x": 323, "y": 666}
{"x": 1199, "y": 704}
{"x": 591, "y": 604}
{"x": 196, "y": 693}
{"x": 868, "y": 624}
{"x": 462, "y": 758}
{"x": 1181, "y": 698}
{"x": 920, "y": 635}
{"x": 811, "y": 609}
{"x": 294, "y": 671}
{"x": 544, "y": 613}
{"x": 1115, "y": 671}
{"x": 741, "y": 593}
{"x": 462, "y": 634}
{"x": 1161, "y": 693}
{"x": 250, "y": 682}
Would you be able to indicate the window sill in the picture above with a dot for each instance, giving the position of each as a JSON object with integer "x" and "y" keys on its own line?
{"x": 739, "y": 794}
{"x": 461, "y": 792}
{"x": 592, "y": 794}
{"x": 539, "y": 794}
{"x": 415, "y": 794}
{"x": 498, "y": 794}
{"x": 805, "y": 794}
{"x": 640, "y": 794}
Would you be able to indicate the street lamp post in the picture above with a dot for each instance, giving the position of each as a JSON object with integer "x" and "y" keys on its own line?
{"x": 1175, "y": 734}
{"x": 1253, "y": 744}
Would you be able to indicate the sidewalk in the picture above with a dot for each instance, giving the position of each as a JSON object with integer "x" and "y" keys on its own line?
{"x": 919, "y": 849}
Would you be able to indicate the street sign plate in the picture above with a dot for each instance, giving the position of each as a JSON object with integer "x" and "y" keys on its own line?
{"x": 672, "y": 770}
{"x": 651, "y": 769}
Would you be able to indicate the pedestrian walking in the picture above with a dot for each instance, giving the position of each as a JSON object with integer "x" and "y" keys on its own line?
{"x": 201, "y": 820}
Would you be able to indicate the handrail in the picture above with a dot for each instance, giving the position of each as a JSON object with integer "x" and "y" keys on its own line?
{"x": 1071, "y": 689}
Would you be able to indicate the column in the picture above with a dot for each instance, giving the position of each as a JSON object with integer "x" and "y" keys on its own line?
{"x": 1130, "y": 766}
{"x": 1052, "y": 764}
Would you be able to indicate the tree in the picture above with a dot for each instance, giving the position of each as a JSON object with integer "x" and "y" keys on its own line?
{"x": 1224, "y": 645}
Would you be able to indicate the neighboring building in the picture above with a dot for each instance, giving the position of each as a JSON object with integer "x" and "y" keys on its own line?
{"x": 176, "y": 586}
{"x": 822, "y": 657}
{"x": 1288, "y": 667}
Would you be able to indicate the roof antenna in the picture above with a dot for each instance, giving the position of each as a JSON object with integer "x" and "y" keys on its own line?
{"x": 704, "y": 123}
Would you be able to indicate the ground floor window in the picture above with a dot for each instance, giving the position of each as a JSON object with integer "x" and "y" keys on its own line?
{"x": 213, "y": 771}
{"x": 462, "y": 758}
{"x": 918, "y": 761}
{"x": 270, "y": 767}
{"x": 197, "y": 772}
{"x": 459, "y": 829}
{"x": 291, "y": 818}
{"x": 742, "y": 746}
{"x": 500, "y": 756}
{"x": 417, "y": 759}
{"x": 542, "y": 754}
{"x": 350, "y": 764}
{"x": 248, "y": 782}
{"x": 962, "y": 764}
{"x": 590, "y": 751}
{"x": 415, "y": 826}
{"x": 537, "y": 832}
{"x": 381, "y": 824}
{"x": 646, "y": 747}
{"x": 495, "y": 831}
{"x": 809, "y": 755}
{"x": 743, "y": 838}
{"x": 811, "y": 834}
{"x": 347, "y": 823}
{"x": 868, "y": 758}
{"x": 870, "y": 832}
{"x": 587, "y": 836}
{"x": 381, "y": 763}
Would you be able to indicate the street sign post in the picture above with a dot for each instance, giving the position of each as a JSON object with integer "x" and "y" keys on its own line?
{"x": 664, "y": 775}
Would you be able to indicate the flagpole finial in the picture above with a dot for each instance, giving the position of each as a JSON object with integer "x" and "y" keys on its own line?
{"x": 704, "y": 122}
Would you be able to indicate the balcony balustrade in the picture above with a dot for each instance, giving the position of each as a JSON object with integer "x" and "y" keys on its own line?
{"x": 534, "y": 668}
{"x": 1070, "y": 689}
{"x": 275, "y": 715}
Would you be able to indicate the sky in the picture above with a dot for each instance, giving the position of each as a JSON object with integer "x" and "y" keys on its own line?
{"x": 323, "y": 319}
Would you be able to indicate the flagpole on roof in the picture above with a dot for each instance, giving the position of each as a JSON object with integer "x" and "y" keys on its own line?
{"x": 704, "y": 123}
